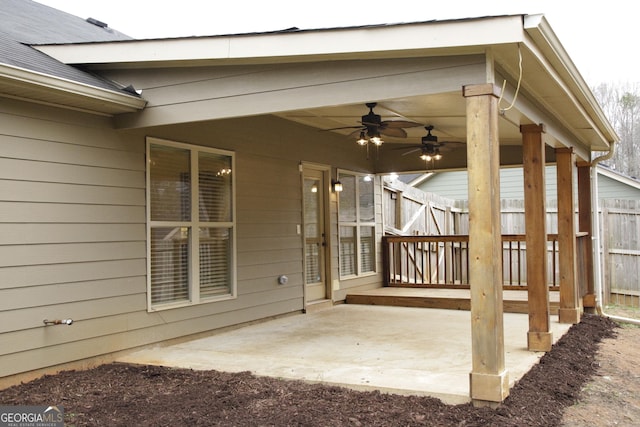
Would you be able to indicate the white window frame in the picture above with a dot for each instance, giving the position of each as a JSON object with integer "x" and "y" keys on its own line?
{"x": 357, "y": 224}
{"x": 194, "y": 223}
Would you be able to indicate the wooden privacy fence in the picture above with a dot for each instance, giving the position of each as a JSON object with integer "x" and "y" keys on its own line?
{"x": 620, "y": 237}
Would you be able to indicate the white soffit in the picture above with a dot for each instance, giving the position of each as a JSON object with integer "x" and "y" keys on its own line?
{"x": 359, "y": 42}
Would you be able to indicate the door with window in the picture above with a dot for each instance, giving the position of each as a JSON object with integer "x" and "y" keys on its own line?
{"x": 315, "y": 243}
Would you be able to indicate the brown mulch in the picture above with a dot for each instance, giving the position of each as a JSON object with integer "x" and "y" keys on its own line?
{"x": 127, "y": 395}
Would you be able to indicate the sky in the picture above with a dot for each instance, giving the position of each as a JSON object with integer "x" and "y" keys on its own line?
{"x": 600, "y": 36}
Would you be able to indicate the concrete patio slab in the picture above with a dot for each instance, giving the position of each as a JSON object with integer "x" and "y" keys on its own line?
{"x": 392, "y": 349}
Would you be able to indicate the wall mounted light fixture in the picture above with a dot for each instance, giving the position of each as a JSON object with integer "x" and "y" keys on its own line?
{"x": 337, "y": 186}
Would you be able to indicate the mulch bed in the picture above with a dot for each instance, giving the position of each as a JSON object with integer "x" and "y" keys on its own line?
{"x": 128, "y": 395}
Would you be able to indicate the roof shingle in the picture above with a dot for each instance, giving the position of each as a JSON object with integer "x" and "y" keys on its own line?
{"x": 25, "y": 22}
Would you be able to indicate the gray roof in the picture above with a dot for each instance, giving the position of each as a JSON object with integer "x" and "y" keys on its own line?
{"x": 25, "y": 22}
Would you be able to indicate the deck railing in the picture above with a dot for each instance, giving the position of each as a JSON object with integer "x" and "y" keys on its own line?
{"x": 443, "y": 261}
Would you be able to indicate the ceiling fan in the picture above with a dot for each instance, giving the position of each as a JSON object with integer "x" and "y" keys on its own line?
{"x": 372, "y": 127}
{"x": 430, "y": 148}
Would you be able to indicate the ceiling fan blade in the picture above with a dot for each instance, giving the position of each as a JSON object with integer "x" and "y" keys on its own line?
{"x": 400, "y": 124}
{"x": 397, "y": 132}
{"x": 402, "y": 146}
{"x": 344, "y": 127}
{"x": 415, "y": 150}
{"x": 449, "y": 145}
{"x": 442, "y": 147}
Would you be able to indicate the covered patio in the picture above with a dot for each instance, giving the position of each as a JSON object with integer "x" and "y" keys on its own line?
{"x": 287, "y": 107}
{"x": 402, "y": 350}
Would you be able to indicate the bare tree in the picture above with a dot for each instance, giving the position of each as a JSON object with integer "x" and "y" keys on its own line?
{"x": 621, "y": 105}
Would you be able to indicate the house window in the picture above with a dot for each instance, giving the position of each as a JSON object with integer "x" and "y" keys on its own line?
{"x": 191, "y": 225}
{"x": 356, "y": 222}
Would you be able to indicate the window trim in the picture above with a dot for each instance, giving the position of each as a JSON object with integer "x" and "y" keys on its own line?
{"x": 194, "y": 223}
{"x": 358, "y": 225}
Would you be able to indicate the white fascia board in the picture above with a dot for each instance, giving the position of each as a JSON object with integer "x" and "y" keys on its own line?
{"x": 52, "y": 83}
{"x": 550, "y": 51}
{"x": 361, "y": 42}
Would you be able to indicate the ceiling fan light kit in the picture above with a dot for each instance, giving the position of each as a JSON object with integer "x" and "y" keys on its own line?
{"x": 369, "y": 137}
{"x": 372, "y": 127}
{"x": 428, "y": 155}
{"x": 430, "y": 149}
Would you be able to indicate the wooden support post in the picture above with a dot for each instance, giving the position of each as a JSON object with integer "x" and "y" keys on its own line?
{"x": 489, "y": 380}
{"x": 585, "y": 224}
{"x": 570, "y": 310}
{"x": 539, "y": 337}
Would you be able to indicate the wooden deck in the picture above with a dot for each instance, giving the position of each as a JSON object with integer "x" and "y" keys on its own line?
{"x": 514, "y": 301}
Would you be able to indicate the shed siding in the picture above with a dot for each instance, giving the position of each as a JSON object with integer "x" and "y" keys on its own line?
{"x": 609, "y": 188}
{"x": 453, "y": 185}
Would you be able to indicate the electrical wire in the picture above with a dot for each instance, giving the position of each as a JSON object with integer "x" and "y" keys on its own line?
{"x": 504, "y": 84}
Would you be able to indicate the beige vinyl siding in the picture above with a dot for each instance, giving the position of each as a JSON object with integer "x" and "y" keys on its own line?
{"x": 74, "y": 241}
{"x": 69, "y": 213}
{"x": 73, "y": 244}
{"x": 269, "y": 205}
{"x": 29, "y": 234}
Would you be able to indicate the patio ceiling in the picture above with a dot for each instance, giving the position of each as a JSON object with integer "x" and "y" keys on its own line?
{"x": 541, "y": 85}
{"x": 444, "y": 111}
